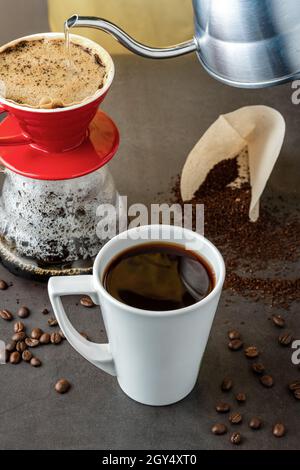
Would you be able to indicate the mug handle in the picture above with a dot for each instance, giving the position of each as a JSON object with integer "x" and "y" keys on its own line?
{"x": 19, "y": 139}
{"x": 97, "y": 354}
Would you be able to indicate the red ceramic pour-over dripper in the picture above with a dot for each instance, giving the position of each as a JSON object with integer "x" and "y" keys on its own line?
{"x": 94, "y": 152}
{"x": 61, "y": 129}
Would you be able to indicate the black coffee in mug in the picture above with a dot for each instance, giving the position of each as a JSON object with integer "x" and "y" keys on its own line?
{"x": 158, "y": 276}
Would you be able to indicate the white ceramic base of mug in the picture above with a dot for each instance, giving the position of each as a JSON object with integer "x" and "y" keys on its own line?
{"x": 157, "y": 401}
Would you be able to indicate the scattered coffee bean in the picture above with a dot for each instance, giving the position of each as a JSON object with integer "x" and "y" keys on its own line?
{"x": 297, "y": 394}
{"x": 6, "y": 315}
{"x": 235, "y": 418}
{"x": 258, "y": 368}
{"x": 84, "y": 335}
{"x": 278, "y": 320}
{"x": 226, "y": 385}
{"x": 26, "y": 355}
{"x": 19, "y": 336}
{"x": 31, "y": 342}
{"x": 61, "y": 334}
{"x": 10, "y": 347}
{"x": 18, "y": 327}
{"x": 62, "y": 386}
{"x": 21, "y": 346}
{"x": 251, "y": 352}
{"x": 235, "y": 344}
{"x": 255, "y": 423}
{"x": 23, "y": 312}
{"x": 279, "y": 430}
{"x": 35, "y": 362}
{"x": 52, "y": 321}
{"x": 3, "y": 285}
{"x": 55, "y": 338}
{"x": 294, "y": 385}
{"x": 15, "y": 357}
{"x": 241, "y": 397}
{"x": 234, "y": 334}
{"x": 285, "y": 339}
{"x": 45, "y": 311}
{"x": 219, "y": 429}
{"x": 36, "y": 333}
{"x": 86, "y": 301}
{"x": 267, "y": 381}
{"x": 45, "y": 338}
{"x": 236, "y": 438}
{"x": 222, "y": 407}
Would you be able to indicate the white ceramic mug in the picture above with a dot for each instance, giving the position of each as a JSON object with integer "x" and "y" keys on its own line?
{"x": 155, "y": 355}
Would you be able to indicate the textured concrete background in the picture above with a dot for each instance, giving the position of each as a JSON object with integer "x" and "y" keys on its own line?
{"x": 162, "y": 108}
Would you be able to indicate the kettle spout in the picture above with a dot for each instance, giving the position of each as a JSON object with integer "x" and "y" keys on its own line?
{"x": 127, "y": 41}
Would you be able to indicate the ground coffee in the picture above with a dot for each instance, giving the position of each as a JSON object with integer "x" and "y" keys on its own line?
{"x": 272, "y": 243}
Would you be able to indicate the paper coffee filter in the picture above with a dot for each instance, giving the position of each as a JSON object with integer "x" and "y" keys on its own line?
{"x": 254, "y": 134}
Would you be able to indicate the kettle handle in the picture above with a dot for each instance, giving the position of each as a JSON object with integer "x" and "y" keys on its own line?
{"x": 18, "y": 139}
{"x": 130, "y": 43}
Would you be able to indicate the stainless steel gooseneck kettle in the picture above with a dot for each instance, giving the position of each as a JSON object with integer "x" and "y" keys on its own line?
{"x": 244, "y": 43}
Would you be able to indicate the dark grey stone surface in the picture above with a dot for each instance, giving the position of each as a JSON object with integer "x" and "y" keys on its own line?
{"x": 161, "y": 108}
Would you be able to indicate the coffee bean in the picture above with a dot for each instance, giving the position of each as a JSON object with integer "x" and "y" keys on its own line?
{"x": 45, "y": 338}
{"x": 31, "y": 342}
{"x": 52, "y": 321}
{"x": 241, "y": 397}
{"x": 267, "y": 381}
{"x": 219, "y": 429}
{"x": 26, "y": 355}
{"x": 36, "y": 333}
{"x": 234, "y": 334}
{"x": 19, "y": 336}
{"x": 255, "y": 423}
{"x": 294, "y": 385}
{"x": 23, "y": 312}
{"x": 61, "y": 334}
{"x": 10, "y": 347}
{"x": 86, "y": 301}
{"x": 55, "y": 338}
{"x": 6, "y": 315}
{"x": 235, "y": 418}
{"x": 278, "y": 320}
{"x": 285, "y": 339}
{"x": 18, "y": 327}
{"x": 84, "y": 335}
{"x": 279, "y": 430}
{"x": 15, "y": 357}
{"x": 297, "y": 394}
{"x": 236, "y": 438}
{"x": 251, "y": 352}
{"x": 62, "y": 386}
{"x": 35, "y": 362}
{"x": 3, "y": 285}
{"x": 45, "y": 311}
{"x": 226, "y": 385}
{"x": 258, "y": 368}
{"x": 21, "y": 346}
{"x": 235, "y": 344}
{"x": 222, "y": 407}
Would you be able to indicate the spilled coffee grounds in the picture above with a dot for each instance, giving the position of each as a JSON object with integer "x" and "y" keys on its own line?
{"x": 260, "y": 257}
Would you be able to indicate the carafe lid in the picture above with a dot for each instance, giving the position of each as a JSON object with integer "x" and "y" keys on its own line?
{"x": 97, "y": 149}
